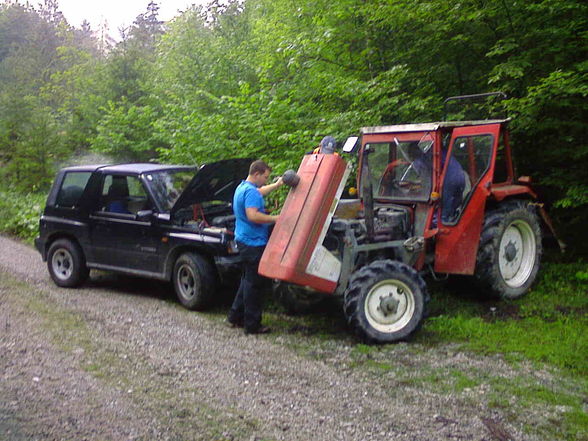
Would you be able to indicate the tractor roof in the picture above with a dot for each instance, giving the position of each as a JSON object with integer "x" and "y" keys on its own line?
{"x": 429, "y": 127}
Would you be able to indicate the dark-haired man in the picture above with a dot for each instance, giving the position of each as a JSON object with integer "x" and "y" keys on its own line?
{"x": 251, "y": 234}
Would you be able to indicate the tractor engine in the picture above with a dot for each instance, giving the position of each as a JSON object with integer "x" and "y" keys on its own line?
{"x": 390, "y": 223}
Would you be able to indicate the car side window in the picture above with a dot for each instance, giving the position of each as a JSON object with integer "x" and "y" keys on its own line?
{"x": 72, "y": 187}
{"x": 123, "y": 195}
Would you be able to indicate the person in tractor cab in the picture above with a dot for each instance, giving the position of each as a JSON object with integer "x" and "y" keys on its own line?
{"x": 453, "y": 187}
{"x": 251, "y": 234}
{"x": 327, "y": 146}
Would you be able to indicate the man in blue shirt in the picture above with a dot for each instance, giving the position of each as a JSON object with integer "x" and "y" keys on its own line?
{"x": 251, "y": 234}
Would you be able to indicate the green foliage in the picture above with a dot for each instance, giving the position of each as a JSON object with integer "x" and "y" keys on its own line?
{"x": 126, "y": 132}
{"x": 20, "y": 213}
{"x": 269, "y": 79}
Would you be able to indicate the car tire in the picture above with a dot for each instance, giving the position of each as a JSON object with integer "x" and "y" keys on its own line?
{"x": 67, "y": 264}
{"x": 194, "y": 281}
{"x": 510, "y": 250}
{"x": 385, "y": 302}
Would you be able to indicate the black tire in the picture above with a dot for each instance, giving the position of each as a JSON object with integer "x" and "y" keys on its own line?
{"x": 296, "y": 299}
{"x": 194, "y": 280}
{"x": 67, "y": 264}
{"x": 385, "y": 301}
{"x": 510, "y": 250}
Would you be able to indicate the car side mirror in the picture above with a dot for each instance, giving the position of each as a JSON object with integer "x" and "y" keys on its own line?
{"x": 144, "y": 215}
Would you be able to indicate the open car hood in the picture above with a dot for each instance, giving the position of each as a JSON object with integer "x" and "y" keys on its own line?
{"x": 216, "y": 181}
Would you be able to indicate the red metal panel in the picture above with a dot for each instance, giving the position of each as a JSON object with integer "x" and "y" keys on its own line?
{"x": 297, "y": 233}
{"x": 502, "y": 191}
{"x": 457, "y": 245}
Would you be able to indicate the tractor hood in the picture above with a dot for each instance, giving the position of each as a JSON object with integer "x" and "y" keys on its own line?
{"x": 216, "y": 181}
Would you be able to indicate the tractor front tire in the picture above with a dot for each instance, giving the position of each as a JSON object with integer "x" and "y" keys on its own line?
{"x": 510, "y": 249}
{"x": 194, "y": 281}
{"x": 385, "y": 301}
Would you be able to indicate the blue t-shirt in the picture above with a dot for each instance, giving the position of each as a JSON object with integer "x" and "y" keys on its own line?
{"x": 247, "y": 195}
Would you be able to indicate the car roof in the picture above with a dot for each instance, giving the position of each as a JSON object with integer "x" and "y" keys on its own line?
{"x": 428, "y": 127}
{"x": 132, "y": 168}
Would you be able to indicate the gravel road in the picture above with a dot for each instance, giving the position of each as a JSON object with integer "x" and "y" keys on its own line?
{"x": 117, "y": 360}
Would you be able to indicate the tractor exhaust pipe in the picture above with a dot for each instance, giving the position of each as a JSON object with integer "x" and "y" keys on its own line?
{"x": 367, "y": 195}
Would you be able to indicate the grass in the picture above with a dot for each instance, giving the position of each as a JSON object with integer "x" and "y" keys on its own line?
{"x": 548, "y": 329}
{"x": 549, "y": 325}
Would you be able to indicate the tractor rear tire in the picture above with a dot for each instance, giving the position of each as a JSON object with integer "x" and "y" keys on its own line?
{"x": 296, "y": 299}
{"x": 385, "y": 302}
{"x": 194, "y": 281}
{"x": 510, "y": 250}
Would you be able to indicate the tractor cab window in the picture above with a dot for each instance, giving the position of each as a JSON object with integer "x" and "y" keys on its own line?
{"x": 469, "y": 161}
{"x": 402, "y": 169}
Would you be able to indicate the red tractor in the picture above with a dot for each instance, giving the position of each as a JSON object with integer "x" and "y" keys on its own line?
{"x": 436, "y": 198}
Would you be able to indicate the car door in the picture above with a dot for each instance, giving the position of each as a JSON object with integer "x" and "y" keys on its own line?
{"x": 472, "y": 152}
{"x": 119, "y": 239}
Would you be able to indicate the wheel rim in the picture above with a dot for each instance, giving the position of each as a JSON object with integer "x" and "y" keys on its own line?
{"x": 517, "y": 253}
{"x": 186, "y": 282}
{"x": 62, "y": 264}
{"x": 389, "y": 306}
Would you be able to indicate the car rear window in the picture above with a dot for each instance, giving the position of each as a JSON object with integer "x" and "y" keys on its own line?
{"x": 72, "y": 187}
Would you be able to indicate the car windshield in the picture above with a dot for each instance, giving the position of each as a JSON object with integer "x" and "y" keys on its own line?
{"x": 402, "y": 169}
{"x": 168, "y": 185}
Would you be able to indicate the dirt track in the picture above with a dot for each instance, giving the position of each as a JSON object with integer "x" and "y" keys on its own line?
{"x": 117, "y": 360}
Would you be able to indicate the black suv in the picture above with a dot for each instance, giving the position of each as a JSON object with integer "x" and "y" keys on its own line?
{"x": 164, "y": 222}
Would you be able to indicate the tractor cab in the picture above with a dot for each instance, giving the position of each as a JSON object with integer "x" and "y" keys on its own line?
{"x": 445, "y": 172}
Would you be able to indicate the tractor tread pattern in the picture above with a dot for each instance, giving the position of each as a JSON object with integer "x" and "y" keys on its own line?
{"x": 367, "y": 276}
{"x": 487, "y": 274}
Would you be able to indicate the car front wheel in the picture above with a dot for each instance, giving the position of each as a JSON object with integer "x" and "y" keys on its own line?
{"x": 194, "y": 281}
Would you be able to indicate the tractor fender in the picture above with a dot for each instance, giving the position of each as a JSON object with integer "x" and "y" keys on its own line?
{"x": 503, "y": 191}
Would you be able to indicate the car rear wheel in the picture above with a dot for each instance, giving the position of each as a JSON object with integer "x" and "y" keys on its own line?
{"x": 66, "y": 263}
{"x": 194, "y": 281}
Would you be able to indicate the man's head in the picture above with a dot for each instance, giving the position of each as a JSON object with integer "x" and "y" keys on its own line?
{"x": 328, "y": 145}
{"x": 259, "y": 173}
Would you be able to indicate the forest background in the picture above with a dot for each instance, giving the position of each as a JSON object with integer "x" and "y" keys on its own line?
{"x": 270, "y": 78}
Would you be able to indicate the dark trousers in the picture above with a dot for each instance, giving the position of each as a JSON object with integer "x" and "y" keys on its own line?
{"x": 247, "y": 305}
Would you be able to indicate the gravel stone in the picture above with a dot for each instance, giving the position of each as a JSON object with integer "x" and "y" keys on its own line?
{"x": 175, "y": 374}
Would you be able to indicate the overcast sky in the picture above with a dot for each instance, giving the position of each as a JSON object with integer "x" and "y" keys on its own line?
{"x": 117, "y": 12}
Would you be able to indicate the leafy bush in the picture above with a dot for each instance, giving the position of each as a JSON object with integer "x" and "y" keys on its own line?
{"x": 19, "y": 213}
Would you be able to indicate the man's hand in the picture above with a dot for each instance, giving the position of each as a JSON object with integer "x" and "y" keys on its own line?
{"x": 267, "y": 189}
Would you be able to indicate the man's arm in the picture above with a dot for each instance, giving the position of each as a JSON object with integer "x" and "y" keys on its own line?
{"x": 267, "y": 189}
{"x": 256, "y": 216}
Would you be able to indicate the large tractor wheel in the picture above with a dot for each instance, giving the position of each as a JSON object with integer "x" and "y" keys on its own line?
{"x": 194, "y": 281}
{"x": 385, "y": 301}
{"x": 296, "y": 299}
{"x": 67, "y": 264}
{"x": 510, "y": 250}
